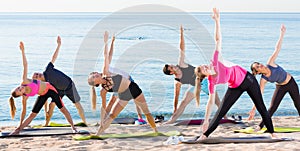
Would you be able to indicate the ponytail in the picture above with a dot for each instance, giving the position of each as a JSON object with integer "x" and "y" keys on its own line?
{"x": 12, "y": 107}
{"x": 93, "y": 97}
{"x": 198, "y": 80}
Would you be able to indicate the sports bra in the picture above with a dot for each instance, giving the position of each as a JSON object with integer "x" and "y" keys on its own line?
{"x": 34, "y": 86}
{"x": 116, "y": 83}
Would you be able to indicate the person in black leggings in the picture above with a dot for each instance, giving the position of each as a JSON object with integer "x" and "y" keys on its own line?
{"x": 285, "y": 83}
{"x": 239, "y": 81}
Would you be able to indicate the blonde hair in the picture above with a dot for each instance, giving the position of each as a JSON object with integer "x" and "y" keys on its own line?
{"x": 12, "y": 106}
{"x": 198, "y": 81}
{"x": 93, "y": 97}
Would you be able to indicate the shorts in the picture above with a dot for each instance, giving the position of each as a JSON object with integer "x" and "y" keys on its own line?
{"x": 132, "y": 92}
{"x": 71, "y": 93}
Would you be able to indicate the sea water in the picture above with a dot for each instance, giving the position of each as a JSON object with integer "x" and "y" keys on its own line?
{"x": 247, "y": 37}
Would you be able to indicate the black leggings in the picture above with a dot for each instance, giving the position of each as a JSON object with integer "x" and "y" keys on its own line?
{"x": 40, "y": 101}
{"x": 279, "y": 93}
{"x": 250, "y": 85}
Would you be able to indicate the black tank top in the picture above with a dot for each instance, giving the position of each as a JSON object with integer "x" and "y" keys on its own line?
{"x": 188, "y": 76}
{"x": 116, "y": 83}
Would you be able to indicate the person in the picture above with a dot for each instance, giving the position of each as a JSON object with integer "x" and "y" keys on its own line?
{"x": 63, "y": 84}
{"x": 114, "y": 96}
{"x": 184, "y": 74}
{"x": 239, "y": 81}
{"x": 29, "y": 88}
{"x": 125, "y": 88}
{"x": 272, "y": 72}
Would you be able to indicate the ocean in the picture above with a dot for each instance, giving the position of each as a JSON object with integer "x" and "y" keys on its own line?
{"x": 144, "y": 43}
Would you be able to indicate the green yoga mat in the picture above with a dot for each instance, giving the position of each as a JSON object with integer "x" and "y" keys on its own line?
{"x": 53, "y": 124}
{"x": 140, "y": 134}
{"x": 250, "y": 130}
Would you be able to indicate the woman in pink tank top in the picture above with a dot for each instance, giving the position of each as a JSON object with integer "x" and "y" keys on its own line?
{"x": 29, "y": 87}
{"x": 238, "y": 80}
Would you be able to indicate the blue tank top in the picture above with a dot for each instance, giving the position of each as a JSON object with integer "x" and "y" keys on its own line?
{"x": 278, "y": 74}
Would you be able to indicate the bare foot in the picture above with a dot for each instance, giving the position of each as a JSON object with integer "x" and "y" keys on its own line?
{"x": 202, "y": 137}
{"x": 274, "y": 136}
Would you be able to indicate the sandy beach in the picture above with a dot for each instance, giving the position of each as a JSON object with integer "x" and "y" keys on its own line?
{"x": 65, "y": 142}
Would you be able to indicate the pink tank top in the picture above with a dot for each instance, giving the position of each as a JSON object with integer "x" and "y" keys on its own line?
{"x": 35, "y": 86}
{"x": 233, "y": 75}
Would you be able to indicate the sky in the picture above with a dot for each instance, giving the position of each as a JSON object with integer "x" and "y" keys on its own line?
{"x": 115, "y": 5}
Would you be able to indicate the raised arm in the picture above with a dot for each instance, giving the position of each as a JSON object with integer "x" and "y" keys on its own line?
{"x": 273, "y": 57}
{"x": 105, "y": 69}
{"x": 25, "y": 64}
{"x": 57, "y": 50}
{"x": 111, "y": 51}
{"x": 218, "y": 36}
{"x": 181, "y": 62}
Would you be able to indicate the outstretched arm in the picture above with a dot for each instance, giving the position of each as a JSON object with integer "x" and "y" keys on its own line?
{"x": 103, "y": 107}
{"x": 218, "y": 36}
{"x": 105, "y": 55}
{"x": 273, "y": 57}
{"x": 25, "y": 64}
{"x": 111, "y": 51}
{"x": 57, "y": 50}
{"x": 177, "y": 86}
{"x": 23, "y": 113}
{"x": 181, "y": 62}
{"x": 209, "y": 106}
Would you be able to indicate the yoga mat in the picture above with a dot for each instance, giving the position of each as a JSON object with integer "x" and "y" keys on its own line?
{"x": 45, "y": 131}
{"x": 200, "y": 121}
{"x": 54, "y": 124}
{"x": 124, "y": 120}
{"x": 132, "y": 135}
{"x": 250, "y": 130}
{"x": 219, "y": 140}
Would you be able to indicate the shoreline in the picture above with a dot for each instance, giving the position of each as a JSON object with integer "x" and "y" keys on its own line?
{"x": 65, "y": 142}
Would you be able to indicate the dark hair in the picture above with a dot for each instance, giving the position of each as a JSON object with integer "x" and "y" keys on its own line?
{"x": 253, "y": 71}
{"x": 14, "y": 94}
{"x": 165, "y": 70}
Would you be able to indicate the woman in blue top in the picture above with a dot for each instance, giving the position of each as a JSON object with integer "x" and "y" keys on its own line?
{"x": 275, "y": 73}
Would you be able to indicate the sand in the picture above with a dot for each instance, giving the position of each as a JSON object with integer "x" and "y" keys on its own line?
{"x": 66, "y": 142}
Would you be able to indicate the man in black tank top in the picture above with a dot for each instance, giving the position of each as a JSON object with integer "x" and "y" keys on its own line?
{"x": 184, "y": 74}
{"x": 62, "y": 83}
